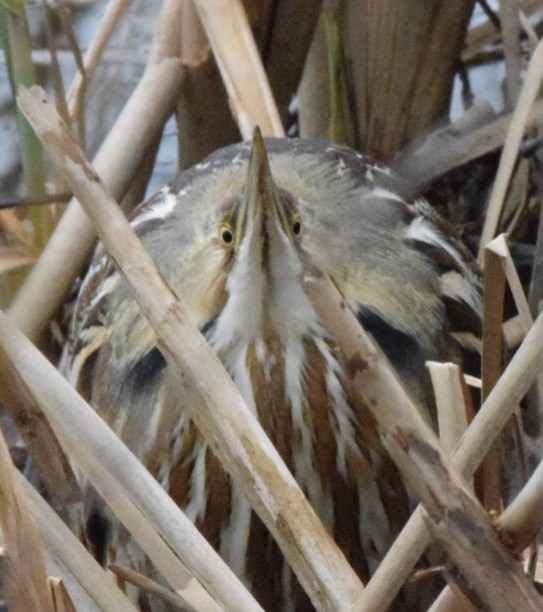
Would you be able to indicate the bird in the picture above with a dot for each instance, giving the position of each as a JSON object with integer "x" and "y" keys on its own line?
{"x": 226, "y": 235}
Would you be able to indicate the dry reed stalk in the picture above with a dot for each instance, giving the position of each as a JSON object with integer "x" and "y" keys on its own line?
{"x": 12, "y": 259}
{"x": 112, "y": 14}
{"x": 25, "y": 579}
{"x": 510, "y": 30}
{"x": 453, "y": 515}
{"x": 402, "y": 58}
{"x": 473, "y": 381}
{"x": 491, "y": 418}
{"x": 451, "y": 406}
{"x": 150, "y": 586}
{"x": 213, "y": 401}
{"x": 452, "y": 600}
{"x": 126, "y": 486}
{"x": 165, "y": 45}
{"x": 286, "y": 31}
{"x": 528, "y": 30}
{"x": 53, "y": 467}
{"x": 11, "y": 223}
{"x": 514, "y": 332}
{"x": 63, "y": 545}
{"x": 529, "y": 91}
{"x": 520, "y": 524}
{"x": 204, "y": 120}
{"x": 499, "y": 249}
{"x": 487, "y": 33}
{"x": 61, "y": 598}
{"x": 447, "y": 149}
{"x": 236, "y": 54}
{"x": 166, "y": 41}
{"x": 521, "y": 520}
{"x": 492, "y": 341}
{"x": 117, "y": 160}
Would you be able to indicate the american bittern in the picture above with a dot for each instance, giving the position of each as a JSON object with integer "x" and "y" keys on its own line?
{"x": 225, "y": 237}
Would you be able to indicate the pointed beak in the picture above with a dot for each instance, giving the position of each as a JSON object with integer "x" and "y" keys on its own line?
{"x": 261, "y": 193}
{"x": 261, "y": 200}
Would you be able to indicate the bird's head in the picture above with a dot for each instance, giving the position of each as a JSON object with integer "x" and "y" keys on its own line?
{"x": 234, "y": 248}
{"x": 263, "y": 213}
{"x": 227, "y": 234}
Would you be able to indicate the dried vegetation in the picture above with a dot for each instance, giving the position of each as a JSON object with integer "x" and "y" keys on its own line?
{"x": 378, "y": 75}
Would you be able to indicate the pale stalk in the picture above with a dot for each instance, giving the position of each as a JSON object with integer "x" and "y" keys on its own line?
{"x": 112, "y": 14}
{"x": 62, "y": 544}
{"x": 117, "y": 160}
{"x": 236, "y": 54}
{"x": 157, "y": 523}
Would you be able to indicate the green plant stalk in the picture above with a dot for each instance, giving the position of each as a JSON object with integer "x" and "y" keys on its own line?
{"x": 17, "y": 47}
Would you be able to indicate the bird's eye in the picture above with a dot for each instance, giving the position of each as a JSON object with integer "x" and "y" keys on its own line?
{"x": 226, "y": 235}
{"x": 296, "y": 227}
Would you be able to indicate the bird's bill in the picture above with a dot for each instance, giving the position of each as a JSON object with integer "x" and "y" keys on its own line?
{"x": 261, "y": 211}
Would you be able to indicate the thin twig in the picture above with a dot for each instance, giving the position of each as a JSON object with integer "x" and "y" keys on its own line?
{"x": 112, "y": 14}
{"x": 515, "y": 133}
{"x": 150, "y": 586}
{"x": 50, "y": 198}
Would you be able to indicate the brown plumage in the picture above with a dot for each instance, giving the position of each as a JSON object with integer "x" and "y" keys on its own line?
{"x": 225, "y": 237}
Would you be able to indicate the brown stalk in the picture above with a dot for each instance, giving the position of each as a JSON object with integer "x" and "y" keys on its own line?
{"x": 402, "y": 58}
{"x": 214, "y": 403}
{"x": 289, "y": 31}
{"x": 204, "y": 120}
{"x": 499, "y": 249}
{"x": 494, "y": 294}
{"x": 40, "y": 440}
{"x": 25, "y": 582}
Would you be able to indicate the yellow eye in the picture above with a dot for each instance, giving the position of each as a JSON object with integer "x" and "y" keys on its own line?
{"x": 296, "y": 225}
{"x": 226, "y": 234}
